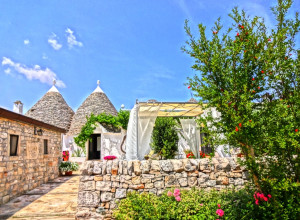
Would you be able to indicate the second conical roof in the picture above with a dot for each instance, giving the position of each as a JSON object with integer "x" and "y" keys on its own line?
{"x": 95, "y": 103}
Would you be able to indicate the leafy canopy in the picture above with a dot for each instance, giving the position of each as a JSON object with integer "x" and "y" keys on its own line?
{"x": 250, "y": 74}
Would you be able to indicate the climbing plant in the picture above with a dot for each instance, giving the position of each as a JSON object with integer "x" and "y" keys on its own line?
{"x": 110, "y": 122}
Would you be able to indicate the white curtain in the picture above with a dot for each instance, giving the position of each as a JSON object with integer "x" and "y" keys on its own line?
{"x": 191, "y": 134}
{"x": 132, "y": 138}
{"x": 146, "y": 122}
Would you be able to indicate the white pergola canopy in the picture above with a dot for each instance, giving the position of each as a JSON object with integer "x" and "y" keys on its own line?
{"x": 170, "y": 109}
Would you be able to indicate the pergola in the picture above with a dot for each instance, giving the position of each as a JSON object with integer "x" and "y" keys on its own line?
{"x": 170, "y": 109}
{"x": 142, "y": 120}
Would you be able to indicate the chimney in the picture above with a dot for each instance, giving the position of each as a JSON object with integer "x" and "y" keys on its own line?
{"x": 18, "y": 107}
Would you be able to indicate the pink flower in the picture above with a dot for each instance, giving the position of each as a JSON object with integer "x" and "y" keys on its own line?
{"x": 220, "y": 212}
{"x": 169, "y": 193}
{"x": 219, "y": 205}
{"x": 269, "y": 196}
{"x": 176, "y": 192}
{"x": 201, "y": 204}
{"x": 110, "y": 157}
{"x": 178, "y": 199}
{"x": 265, "y": 198}
{"x": 256, "y": 202}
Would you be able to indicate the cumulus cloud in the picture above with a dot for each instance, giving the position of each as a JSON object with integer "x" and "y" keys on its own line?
{"x": 26, "y": 42}
{"x": 72, "y": 39}
{"x": 54, "y": 43}
{"x": 43, "y": 75}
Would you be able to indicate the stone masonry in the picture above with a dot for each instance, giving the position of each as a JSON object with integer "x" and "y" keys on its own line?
{"x": 31, "y": 167}
{"x": 102, "y": 183}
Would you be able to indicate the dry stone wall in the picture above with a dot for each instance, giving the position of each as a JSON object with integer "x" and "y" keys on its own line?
{"x": 31, "y": 167}
{"x": 102, "y": 183}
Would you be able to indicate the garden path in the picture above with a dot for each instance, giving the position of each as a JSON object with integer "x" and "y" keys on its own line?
{"x": 56, "y": 199}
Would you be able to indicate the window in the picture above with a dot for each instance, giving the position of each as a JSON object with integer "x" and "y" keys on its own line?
{"x": 14, "y": 140}
{"x": 45, "y": 146}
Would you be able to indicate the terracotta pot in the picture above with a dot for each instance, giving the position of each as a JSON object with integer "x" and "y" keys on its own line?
{"x": 68, "y": 173}
{"x": 207, "y": 156}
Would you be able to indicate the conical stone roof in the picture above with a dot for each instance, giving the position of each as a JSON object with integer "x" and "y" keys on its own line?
{"x": 97, "y": 102}
{"x": 52, "y": 109}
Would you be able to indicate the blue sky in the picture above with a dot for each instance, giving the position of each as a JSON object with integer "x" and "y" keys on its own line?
{"x": 131, "y": 46}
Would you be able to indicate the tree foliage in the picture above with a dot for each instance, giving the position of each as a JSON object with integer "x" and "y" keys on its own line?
{"x": 250, "y": 74}
{"x": 165, "y": 137}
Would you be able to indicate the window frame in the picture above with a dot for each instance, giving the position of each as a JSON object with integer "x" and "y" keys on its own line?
{"x": 10, "y": 145}
{"x": 46, "y": 146}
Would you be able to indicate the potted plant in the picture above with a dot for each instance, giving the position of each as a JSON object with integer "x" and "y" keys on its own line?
{"x": 68, "y": 167}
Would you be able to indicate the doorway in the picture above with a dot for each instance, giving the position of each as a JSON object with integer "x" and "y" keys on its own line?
{"x": 94, "y": 147}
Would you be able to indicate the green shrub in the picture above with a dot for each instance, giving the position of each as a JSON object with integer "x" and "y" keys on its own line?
{"x": 197, "y": 204}
{"x": 66, "y": 166}
{"x": 165, "y": 137}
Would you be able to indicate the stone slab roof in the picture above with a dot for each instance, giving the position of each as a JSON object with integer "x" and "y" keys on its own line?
{"x": 95, "y": 103}
{"x": 53, "y": 109}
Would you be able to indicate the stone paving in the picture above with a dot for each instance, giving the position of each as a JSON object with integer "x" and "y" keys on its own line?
{"x": 54, "y": 200}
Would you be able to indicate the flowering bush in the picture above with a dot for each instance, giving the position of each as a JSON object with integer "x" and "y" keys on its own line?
{"x": 65, "y": 155}
{"x": 109, "y": 157}
{"x": 198, "y": 204}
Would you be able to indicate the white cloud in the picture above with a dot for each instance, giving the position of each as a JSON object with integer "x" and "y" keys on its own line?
{"x": 7, "y": 71}
{"x": 43, "y": 75}
{"x": 72, "y": 39}
{"x": 54, "y": 43}
{"x": 26, "y": 42}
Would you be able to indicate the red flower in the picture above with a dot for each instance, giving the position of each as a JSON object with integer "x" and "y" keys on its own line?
{"x": 269, "y": 39}
{"x": 236, "y": 129}
{"x": 290, "y": 54}
{"x": 285, "y": 58}
{"x": 246, "y": 33}
{"x": 240, "y": 124}
{"x": 189, "y": 86}
{"x": 215, "y": 32}
{"x": 258, "y": 87}
{"x": 296, "y": 130}
{"x": 253, "y": 79}
{"x": 262, "y": 71}
{"x": 242, "y": 27}
{"x": 269, "y": 196}
{"x": 237, "y": 34}
{"x": 245, "y": 51}
{"x": 253, "y": 91}
{"x": 255, "y": 57}
{"x": 250, "y": 120}
{"x": 234, "y": 41}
